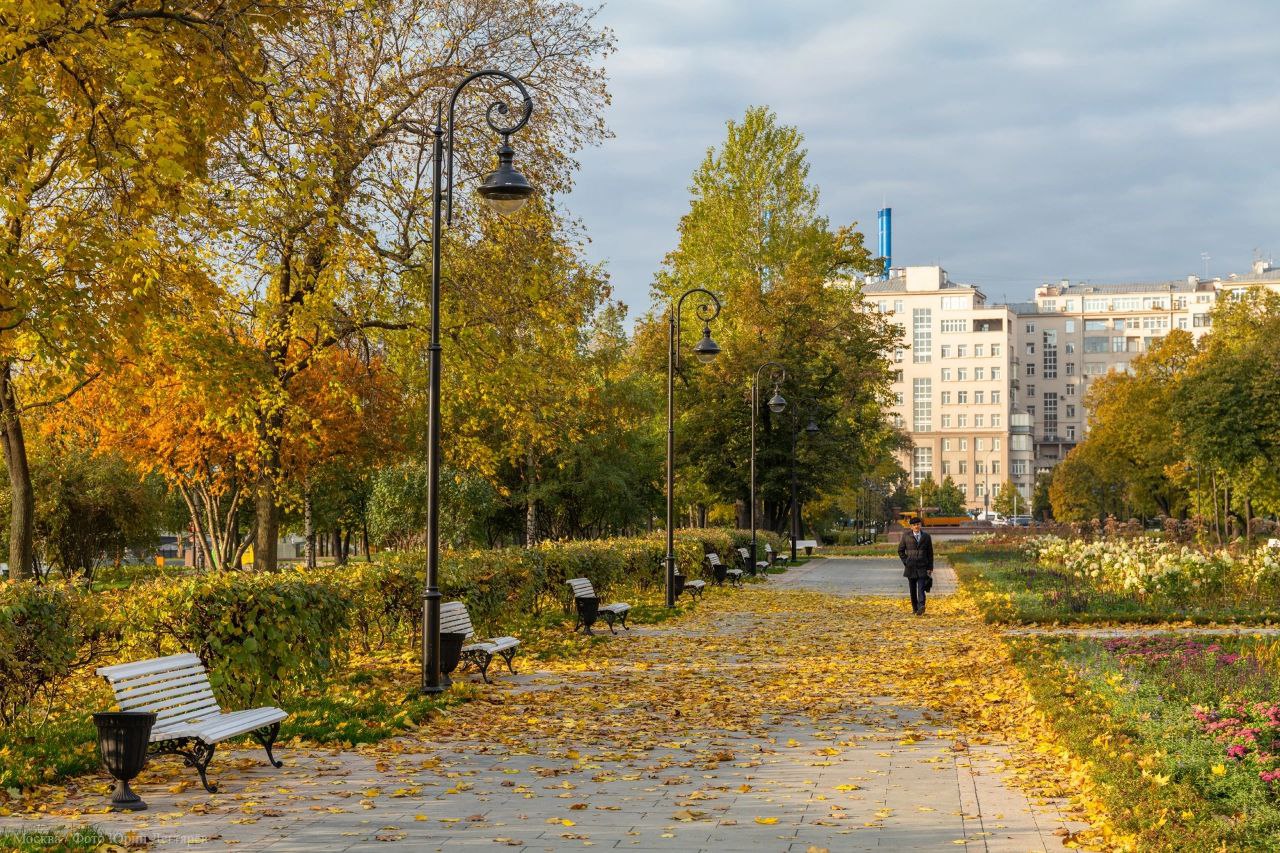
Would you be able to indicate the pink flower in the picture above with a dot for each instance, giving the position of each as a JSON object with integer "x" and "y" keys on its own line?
{"x": 1237, "y": 751}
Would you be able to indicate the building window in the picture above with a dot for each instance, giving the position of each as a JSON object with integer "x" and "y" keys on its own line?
{"x": 1018, "y": 467}
{"x": 977, "y": 350}
{"x": 995, "y": 443}
{"x": 1071, "y": 411}
{"x": 883, "y": 306}
{"x": 897, "y": 306}
{"x": 921, "y": 335}
{"x": 1050, "y": 354}
{"x": 1182, "y": 322}
{"x": 921, "y": 464}
{"x": 977, "y": 446}
{"x": 962, "y": 374}
{"x": 995, "y": 397}
{"x": 897, "y": 376}
{"x": 979, "y": 467}
{"x": 1126, "y": 303}
{"x": 1129, "y": 323}
{"x": 995, "y": 350}
{"x": 1050, "y": 413}
{"x": 897, "y": 397}
{"x": 946, "y": 374}
{"x": 995, "y": 422}
{"x": 1031, "y": 328}
{"x": 1096, "y": 344}
{"x": 964, "y": 466}
{"x": 964, "y": 490}
{"x": 1071, "y": 348}
{"x": 1095, "y": 369}
{"x": 1031, "y": 348}
{"x": 1097, "y": 325}
{"x": 922, "y": 404}
{"x": 951, "y": 327}
{"x": 962, "y": 421}
{"x": 946, "y": 421}
{"x": 979, "y": 373}
{"x": 944, "y": 351}
{"x": 977, "y": 422}
{"x": 946, "y": 444}
{"x": 1071, "y": 432}
{"x": 1031, "y": 390}
{"x": 946, "y": 467}
{"x": 962, "y": 351}
{"x": 1117, "y": 344}
{"x": 1070, "y": 326}
{"x": 1071, "y": 368}
{"x": 995, "y": 464}
{"x": 897, "y": 421}
{"x": 1201, "y": 321}
{"x": 1095, "y": 303}
{"x": 995, "y": 374}
{"x": 1031, "y": 368}
{"x": 978, "y": 397}
{"x": 946, "y": 398}
{"x": 962, "y": 398}
{"x": 955, "y": 303}
{"x": 1071, "y": 389}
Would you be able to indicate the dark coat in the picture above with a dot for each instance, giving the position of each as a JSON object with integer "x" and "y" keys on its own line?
{"x": 917, "y": 559}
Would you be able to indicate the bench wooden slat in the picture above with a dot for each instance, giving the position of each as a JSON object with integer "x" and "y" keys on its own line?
{"x": 159, "y": 700}
{"x": 122, "y": 671}
{"x": 582, "y": 588}
{"x": 454, "y": 619}
{"x": 132, "y": 691}
{"x": 157, "y": 679}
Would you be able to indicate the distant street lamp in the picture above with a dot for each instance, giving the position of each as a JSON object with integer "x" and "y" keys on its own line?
{"x": 505, "y": 191}
{"x": 706, "y": 350}
{"x": 778, "y": 375}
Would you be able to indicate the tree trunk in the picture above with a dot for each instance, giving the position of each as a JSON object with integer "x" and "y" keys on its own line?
{"x": 531, "y": 503}
{"x": 364, "y": 541}
{"x": 266, "y": 531}
{"x": 309, "y": 530}
{"x": 346, "y": 547}
{"x": 22, "y": 511}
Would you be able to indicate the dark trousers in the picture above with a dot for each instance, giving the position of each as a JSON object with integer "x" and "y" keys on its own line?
{"x": 917, "y": 593}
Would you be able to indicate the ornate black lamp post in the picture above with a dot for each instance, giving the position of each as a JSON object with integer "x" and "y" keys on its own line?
{"x": 778, "y": 374}
{"x": 706, "y": 350}
{"x": 504, "y": 190}
{"x": 810, "y": 429}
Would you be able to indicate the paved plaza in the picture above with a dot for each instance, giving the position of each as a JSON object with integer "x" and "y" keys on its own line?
{"x": 822, "y": 767}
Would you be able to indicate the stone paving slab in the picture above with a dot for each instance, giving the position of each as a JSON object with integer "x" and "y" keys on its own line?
{"x": 880, "y": 576}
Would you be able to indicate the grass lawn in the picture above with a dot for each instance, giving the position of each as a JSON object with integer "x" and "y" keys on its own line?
{"x": 82, "y": 840}
{"x": 1009, "y": 587}
{"x": 1178, "y": 733}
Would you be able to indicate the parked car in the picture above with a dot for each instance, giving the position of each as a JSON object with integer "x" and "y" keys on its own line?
{"x": 1021, "y": 520}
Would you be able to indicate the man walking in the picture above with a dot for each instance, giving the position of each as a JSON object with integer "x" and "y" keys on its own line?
{"x": 915, "y": 549}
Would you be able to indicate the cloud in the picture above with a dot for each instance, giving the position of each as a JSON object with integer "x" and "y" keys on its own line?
{"x": 1016, "y": 142}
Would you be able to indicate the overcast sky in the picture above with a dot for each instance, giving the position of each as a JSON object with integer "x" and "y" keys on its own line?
{"x": 1017, "y": 142}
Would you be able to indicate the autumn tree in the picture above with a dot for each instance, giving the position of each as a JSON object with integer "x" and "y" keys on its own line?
{"x": 325, "y": 190}
{"x": 108, "y": 110}
{"x": 754, "y": 236}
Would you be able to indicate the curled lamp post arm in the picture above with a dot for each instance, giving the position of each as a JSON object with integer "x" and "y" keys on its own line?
{"x": 497, "y": 108}
{"x": 707, "y": 311}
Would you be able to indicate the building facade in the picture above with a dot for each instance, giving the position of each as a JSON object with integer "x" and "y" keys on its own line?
{"x": 995, "y": 392}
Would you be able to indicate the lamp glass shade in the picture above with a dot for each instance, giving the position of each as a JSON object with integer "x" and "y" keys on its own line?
{"x": 777, "y": 403}
{"x": 812, "y": 428}
{"x": 504, "y": 190}
{"x": 706, "y": 349}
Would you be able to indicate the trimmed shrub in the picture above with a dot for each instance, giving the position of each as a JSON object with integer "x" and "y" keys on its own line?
{"x": 47, "y": 631}
{"x": 257, "y": 634}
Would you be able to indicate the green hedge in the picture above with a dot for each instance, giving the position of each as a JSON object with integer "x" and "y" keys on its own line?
{"x": 262, "y": 636}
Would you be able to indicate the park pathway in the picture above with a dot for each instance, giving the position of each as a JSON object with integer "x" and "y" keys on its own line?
{"x": 810, "y": 712}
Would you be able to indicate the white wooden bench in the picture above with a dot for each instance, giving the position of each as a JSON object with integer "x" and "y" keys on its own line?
{"x": 189, "y": 721}
{"x": 695, "y": 588}
{"x": 454, "y": 619}
{"x": 582, "y": 592}
{"x": 809, "y": 545}
{"x": 772, "y": 558}
{"x": 734, "y": 576}
{"x": 745, "y": 555}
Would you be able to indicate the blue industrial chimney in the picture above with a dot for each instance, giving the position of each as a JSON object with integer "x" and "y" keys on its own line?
{"x": 885, "y": 217}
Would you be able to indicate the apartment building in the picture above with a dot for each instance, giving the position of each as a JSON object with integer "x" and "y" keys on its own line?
{"x": 995, "y": 392}
{"x": 955, "y": 382}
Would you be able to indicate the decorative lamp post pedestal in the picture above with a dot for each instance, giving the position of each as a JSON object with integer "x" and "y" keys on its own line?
{"x": 123, "y": 737}
{"x": 677, "y": 585}
{"x": 450, "y": 655}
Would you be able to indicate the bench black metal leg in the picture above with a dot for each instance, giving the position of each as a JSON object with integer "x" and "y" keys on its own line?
{"x": 624, "y": 622}
{"x": 195, "y": 754}
{"x": 507, "y": 656}
{"x": 483, "y": 659}
{"x": 267, "y": 737}
{"x": 610, "y": 618}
